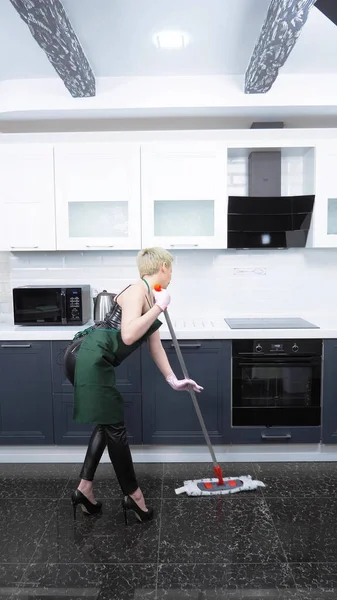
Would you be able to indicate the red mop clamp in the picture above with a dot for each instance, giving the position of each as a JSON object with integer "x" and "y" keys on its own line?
{"x": 218, "y": 472}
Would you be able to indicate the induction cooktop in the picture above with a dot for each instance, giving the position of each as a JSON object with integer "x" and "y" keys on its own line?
{"x": 270, "y": 323}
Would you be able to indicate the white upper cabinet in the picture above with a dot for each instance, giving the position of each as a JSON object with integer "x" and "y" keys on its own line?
{"x": 325, "y": 211}
{"x": 97, "y": 196}
{"x": 184, "y": 195}
{"x": 27, "y": 207}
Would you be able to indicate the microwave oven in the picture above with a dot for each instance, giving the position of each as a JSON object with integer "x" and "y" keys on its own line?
{"x": 52, "y": 305}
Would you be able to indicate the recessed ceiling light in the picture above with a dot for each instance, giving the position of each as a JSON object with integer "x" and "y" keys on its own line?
{"x": 171, "y": 40}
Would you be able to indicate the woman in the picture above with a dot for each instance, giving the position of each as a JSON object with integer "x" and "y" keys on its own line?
{"x": 132, "y": 320}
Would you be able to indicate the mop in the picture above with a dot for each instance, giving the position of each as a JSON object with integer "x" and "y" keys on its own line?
{"x": 219, "y": 485}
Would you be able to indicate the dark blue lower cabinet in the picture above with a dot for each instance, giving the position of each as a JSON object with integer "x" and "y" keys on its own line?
{"x": 128, "y": 381}
{"x": 67, "y": 432}
{"x": 60, "y": 382}
{"x": 26, "y": 408}
{"x": 128, "y": 378}
{"x": 133, "y": 417}
{"x": 169, "y": 416}
{"x": 329, "y": 398}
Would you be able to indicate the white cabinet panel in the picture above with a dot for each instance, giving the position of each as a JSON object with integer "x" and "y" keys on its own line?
{"x": 325, "y": 210}
{"x": 97, "y": 196}
{"x": 27, "y": 205}
{"x": 184, "y": 195}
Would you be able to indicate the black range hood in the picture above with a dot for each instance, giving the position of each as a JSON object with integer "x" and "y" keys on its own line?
{"x": 269, "y": 222}
{"x": 264, "y": 218}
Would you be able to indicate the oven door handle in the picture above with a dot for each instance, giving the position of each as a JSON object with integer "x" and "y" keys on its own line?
{"x": 280, "y": 363}
{"x": 284, "y": 436}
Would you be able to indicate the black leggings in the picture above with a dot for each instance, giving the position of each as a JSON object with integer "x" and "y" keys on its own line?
{"x": 113, "y": 436}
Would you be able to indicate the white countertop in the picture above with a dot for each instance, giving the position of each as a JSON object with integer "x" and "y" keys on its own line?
{"x": 187, "y": 328}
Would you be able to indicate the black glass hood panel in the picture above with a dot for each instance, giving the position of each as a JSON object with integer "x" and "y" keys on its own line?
{"x": 269, "y": 222}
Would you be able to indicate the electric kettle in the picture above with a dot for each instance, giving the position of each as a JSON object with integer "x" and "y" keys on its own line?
{"x": 102, "y": 305}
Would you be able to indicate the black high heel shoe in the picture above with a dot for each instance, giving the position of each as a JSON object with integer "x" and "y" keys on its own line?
{"x": 88, "y": 507}
{"x": 142, "y": 515}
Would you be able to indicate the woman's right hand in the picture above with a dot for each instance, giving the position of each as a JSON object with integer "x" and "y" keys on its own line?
{"x": 162, "y": 298}
{"x": 183, "y": 385}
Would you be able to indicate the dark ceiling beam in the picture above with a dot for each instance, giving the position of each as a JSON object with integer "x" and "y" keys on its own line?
{"x": 52, "y": 30}
{"x": 282, "y": 26}
{"x": 328, "y": 8}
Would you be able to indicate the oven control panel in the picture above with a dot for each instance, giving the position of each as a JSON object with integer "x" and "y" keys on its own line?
{"x": 277, "y": 347}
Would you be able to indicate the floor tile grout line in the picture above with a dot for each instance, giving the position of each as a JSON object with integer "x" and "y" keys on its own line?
{"x": 46, "y": 528}
{"x": 280, "y": 541}
{"x": 224, "y": 562}
{"x": 159, "y": 533}
{"x": 231, "y": 496}
{"x": 30, "y": 562}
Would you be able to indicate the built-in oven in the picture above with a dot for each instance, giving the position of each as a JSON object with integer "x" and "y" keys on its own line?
{"x": 276, "y": 383}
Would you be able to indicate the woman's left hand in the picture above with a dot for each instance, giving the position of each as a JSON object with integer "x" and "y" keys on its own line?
{"x": 182, "y": 385}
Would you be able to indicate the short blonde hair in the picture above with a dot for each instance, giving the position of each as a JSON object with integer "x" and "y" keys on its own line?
{"x": 149, "y": 260}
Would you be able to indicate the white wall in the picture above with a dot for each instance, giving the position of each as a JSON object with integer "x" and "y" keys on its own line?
{"x": 5, "y": 288}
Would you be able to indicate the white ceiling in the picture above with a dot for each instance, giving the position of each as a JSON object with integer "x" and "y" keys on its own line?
{"x": 116, "y": 36}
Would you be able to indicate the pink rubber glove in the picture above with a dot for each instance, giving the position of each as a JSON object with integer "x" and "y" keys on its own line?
{"x": 182, "y": 385}
{"x": 162, "y": 298}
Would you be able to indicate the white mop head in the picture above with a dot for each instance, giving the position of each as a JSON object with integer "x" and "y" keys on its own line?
{"x": 210, "y": 487}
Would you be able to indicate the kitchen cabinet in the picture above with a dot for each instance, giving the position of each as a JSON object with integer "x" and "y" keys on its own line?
{"x": 329, "y": 390}
{"x": 36, "y": 401}
{"x": 272, "y": 435}
{"x": 26, "y": 415}
{"x": 184, "y": 195}
{"x": 128, "y": 381}
{"x": 169, "y": 416}
{"x": 97, "y": 189}
{"x": 27, "y": 207}
{"x": 325, "y": 210}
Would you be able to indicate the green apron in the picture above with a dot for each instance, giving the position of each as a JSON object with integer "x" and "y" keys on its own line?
{"x": 96, "y": 399}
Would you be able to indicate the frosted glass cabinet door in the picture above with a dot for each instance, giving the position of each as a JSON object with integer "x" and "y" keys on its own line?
{"x": 325, "y": 209}
{"x": 184, "y": 195}
{"x": 97, "y": 196}
{"x": 27, "y": 203}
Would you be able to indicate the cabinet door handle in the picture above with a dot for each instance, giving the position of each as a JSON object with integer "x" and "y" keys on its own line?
{"x": 89, "y": 246}
{"x": 184, "y": 245}
{"x": 286, "y": 436}
{"x": 23, "y": 247}
{"x": 16, "y": 345}
{"x": 188, "y": 345}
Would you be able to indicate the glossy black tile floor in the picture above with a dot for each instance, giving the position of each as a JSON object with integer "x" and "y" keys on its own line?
{"x": 279, "y": 542}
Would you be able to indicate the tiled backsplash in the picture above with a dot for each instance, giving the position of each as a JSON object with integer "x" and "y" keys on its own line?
{"x": 205, "y": 283}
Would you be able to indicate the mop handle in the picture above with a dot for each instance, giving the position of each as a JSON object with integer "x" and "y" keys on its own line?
{"x": 217, "y": 468}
